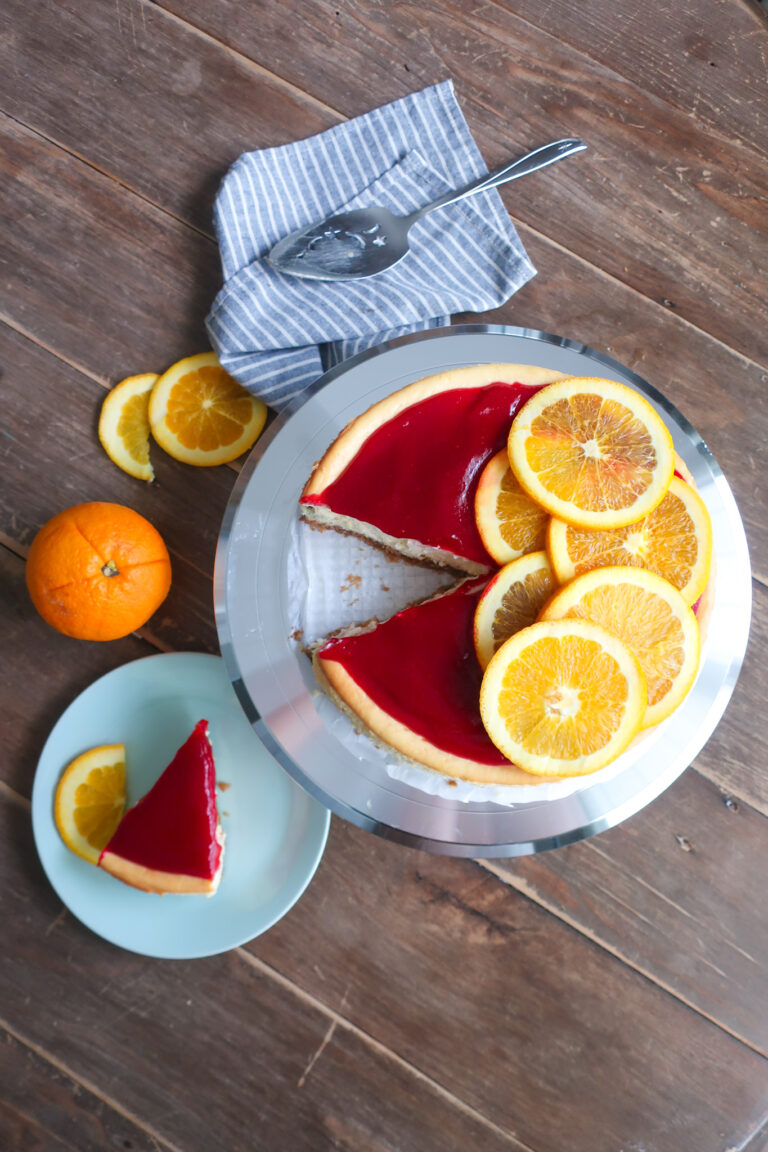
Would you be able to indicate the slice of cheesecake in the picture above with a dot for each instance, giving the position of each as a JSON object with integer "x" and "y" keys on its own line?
{"x": 413, "y": 683}
{"x": 404, "y": 473}
{"x": 171, "y": 840}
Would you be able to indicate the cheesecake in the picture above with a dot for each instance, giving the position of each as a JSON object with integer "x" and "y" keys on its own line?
{"x": 171, "y": 840}
{"x": 404, "y": 473}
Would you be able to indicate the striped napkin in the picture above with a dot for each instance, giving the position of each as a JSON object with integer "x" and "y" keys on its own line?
{"x": 276, "y": 333}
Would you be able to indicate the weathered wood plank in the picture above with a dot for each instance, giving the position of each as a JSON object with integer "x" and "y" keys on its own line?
{"x": 212, "y": 1053}
{"x": 149, "y": 100}
{"x": 737, "y": 753}
{"x": 44, "y": 1109}
{"x": 758, "y": 1142}
{"x": 489, "y": 986}
{"x": 72, "y": 297}
{"x": 110, "y": 282}
{"x": 677, "y": 891}
{"x": 651, "y": 180}
{"x": 707, "y": 58}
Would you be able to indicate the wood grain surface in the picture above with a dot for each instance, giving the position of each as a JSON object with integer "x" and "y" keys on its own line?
{"x": 630, "y": 205}
{"x": 44, "y": 1108}
{"x": 212, "y": 1053}
{"x": 672, "y": 891}
{"x": 607, "y": 997}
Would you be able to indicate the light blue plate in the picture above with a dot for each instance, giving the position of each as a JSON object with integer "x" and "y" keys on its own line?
{"x": 276, "y": 833}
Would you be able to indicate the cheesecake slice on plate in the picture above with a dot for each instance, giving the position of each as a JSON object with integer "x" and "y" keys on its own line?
{"x": 171, "y": 840}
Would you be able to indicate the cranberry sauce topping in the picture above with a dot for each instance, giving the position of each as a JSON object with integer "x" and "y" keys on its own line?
{"x": 420, "y": 667}
{"x": 173, "y": 827}
{"x": 415, "y": 476}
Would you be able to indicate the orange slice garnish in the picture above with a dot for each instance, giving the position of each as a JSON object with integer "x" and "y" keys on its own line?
{"x": 593, "y": 452}
{"x": 650, "y": 616}
{"x": 674, "y": 540}
{"x": 199, "y": 414}
{"x": 512, "y": 600}
{"x": 124, "y": 425}
{"x": 563, "y": 698}
{"x": 509, "y": 522}
{"x": 90, "y": 800}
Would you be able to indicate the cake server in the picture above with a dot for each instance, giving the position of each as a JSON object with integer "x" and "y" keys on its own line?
{"x": 364, "y": 242}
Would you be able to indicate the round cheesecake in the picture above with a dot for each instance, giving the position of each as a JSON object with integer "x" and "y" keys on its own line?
{"x": 404, "y": 475}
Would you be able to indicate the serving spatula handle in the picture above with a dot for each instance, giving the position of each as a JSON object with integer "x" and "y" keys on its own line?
{"x": 531, "y": 162}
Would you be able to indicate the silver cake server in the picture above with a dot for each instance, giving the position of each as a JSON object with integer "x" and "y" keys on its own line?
{"x": 364, "y": 242}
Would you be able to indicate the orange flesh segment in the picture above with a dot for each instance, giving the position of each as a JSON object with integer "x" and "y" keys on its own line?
{"x": 207, "y": 409}
{"x": 586, "y": 677}
{"x": 607, "y": 465}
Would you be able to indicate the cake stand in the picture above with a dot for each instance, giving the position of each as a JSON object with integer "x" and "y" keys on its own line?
{"x": 273, "y": 679}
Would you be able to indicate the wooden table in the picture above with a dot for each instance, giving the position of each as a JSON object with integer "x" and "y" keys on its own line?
{"x": 610, "y": 996}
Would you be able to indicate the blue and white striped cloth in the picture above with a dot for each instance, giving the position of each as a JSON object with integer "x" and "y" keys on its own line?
{"x": 277, "y": 333}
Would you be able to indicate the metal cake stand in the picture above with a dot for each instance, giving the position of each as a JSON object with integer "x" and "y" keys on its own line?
{"x": 274, "y": 682}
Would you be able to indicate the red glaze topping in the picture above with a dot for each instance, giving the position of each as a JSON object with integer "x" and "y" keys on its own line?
{"x": 415, "y": 476}
{"x": 420, "y": 667}
{"x": 173, "y": 827}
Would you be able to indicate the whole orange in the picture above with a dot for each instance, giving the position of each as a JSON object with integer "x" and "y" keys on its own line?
{"x": 98, "y": 571}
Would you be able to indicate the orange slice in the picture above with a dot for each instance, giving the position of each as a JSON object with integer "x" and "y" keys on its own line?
{"x": 90, "y": 800}
{"x": 675, "y": 541}
{"x": 563, "y": 698}
{"x": 124, "y": 425}
{"x": 512, "y": 600}
{"x": 199, "y": 414}
{"x": 650, "y": 616}
{"x": 592, "y": 452}
{"x": 509, "y": 522}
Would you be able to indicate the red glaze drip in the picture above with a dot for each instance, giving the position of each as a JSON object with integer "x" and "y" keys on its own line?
{"x": 415, "y": 476}
{"x": 173, "y": 827}
{"x": 420, "y": 667}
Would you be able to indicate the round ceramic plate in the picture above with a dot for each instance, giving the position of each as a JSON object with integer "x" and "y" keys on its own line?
{"x": 276, "y": 833}
{"x": 275, "y": 682}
